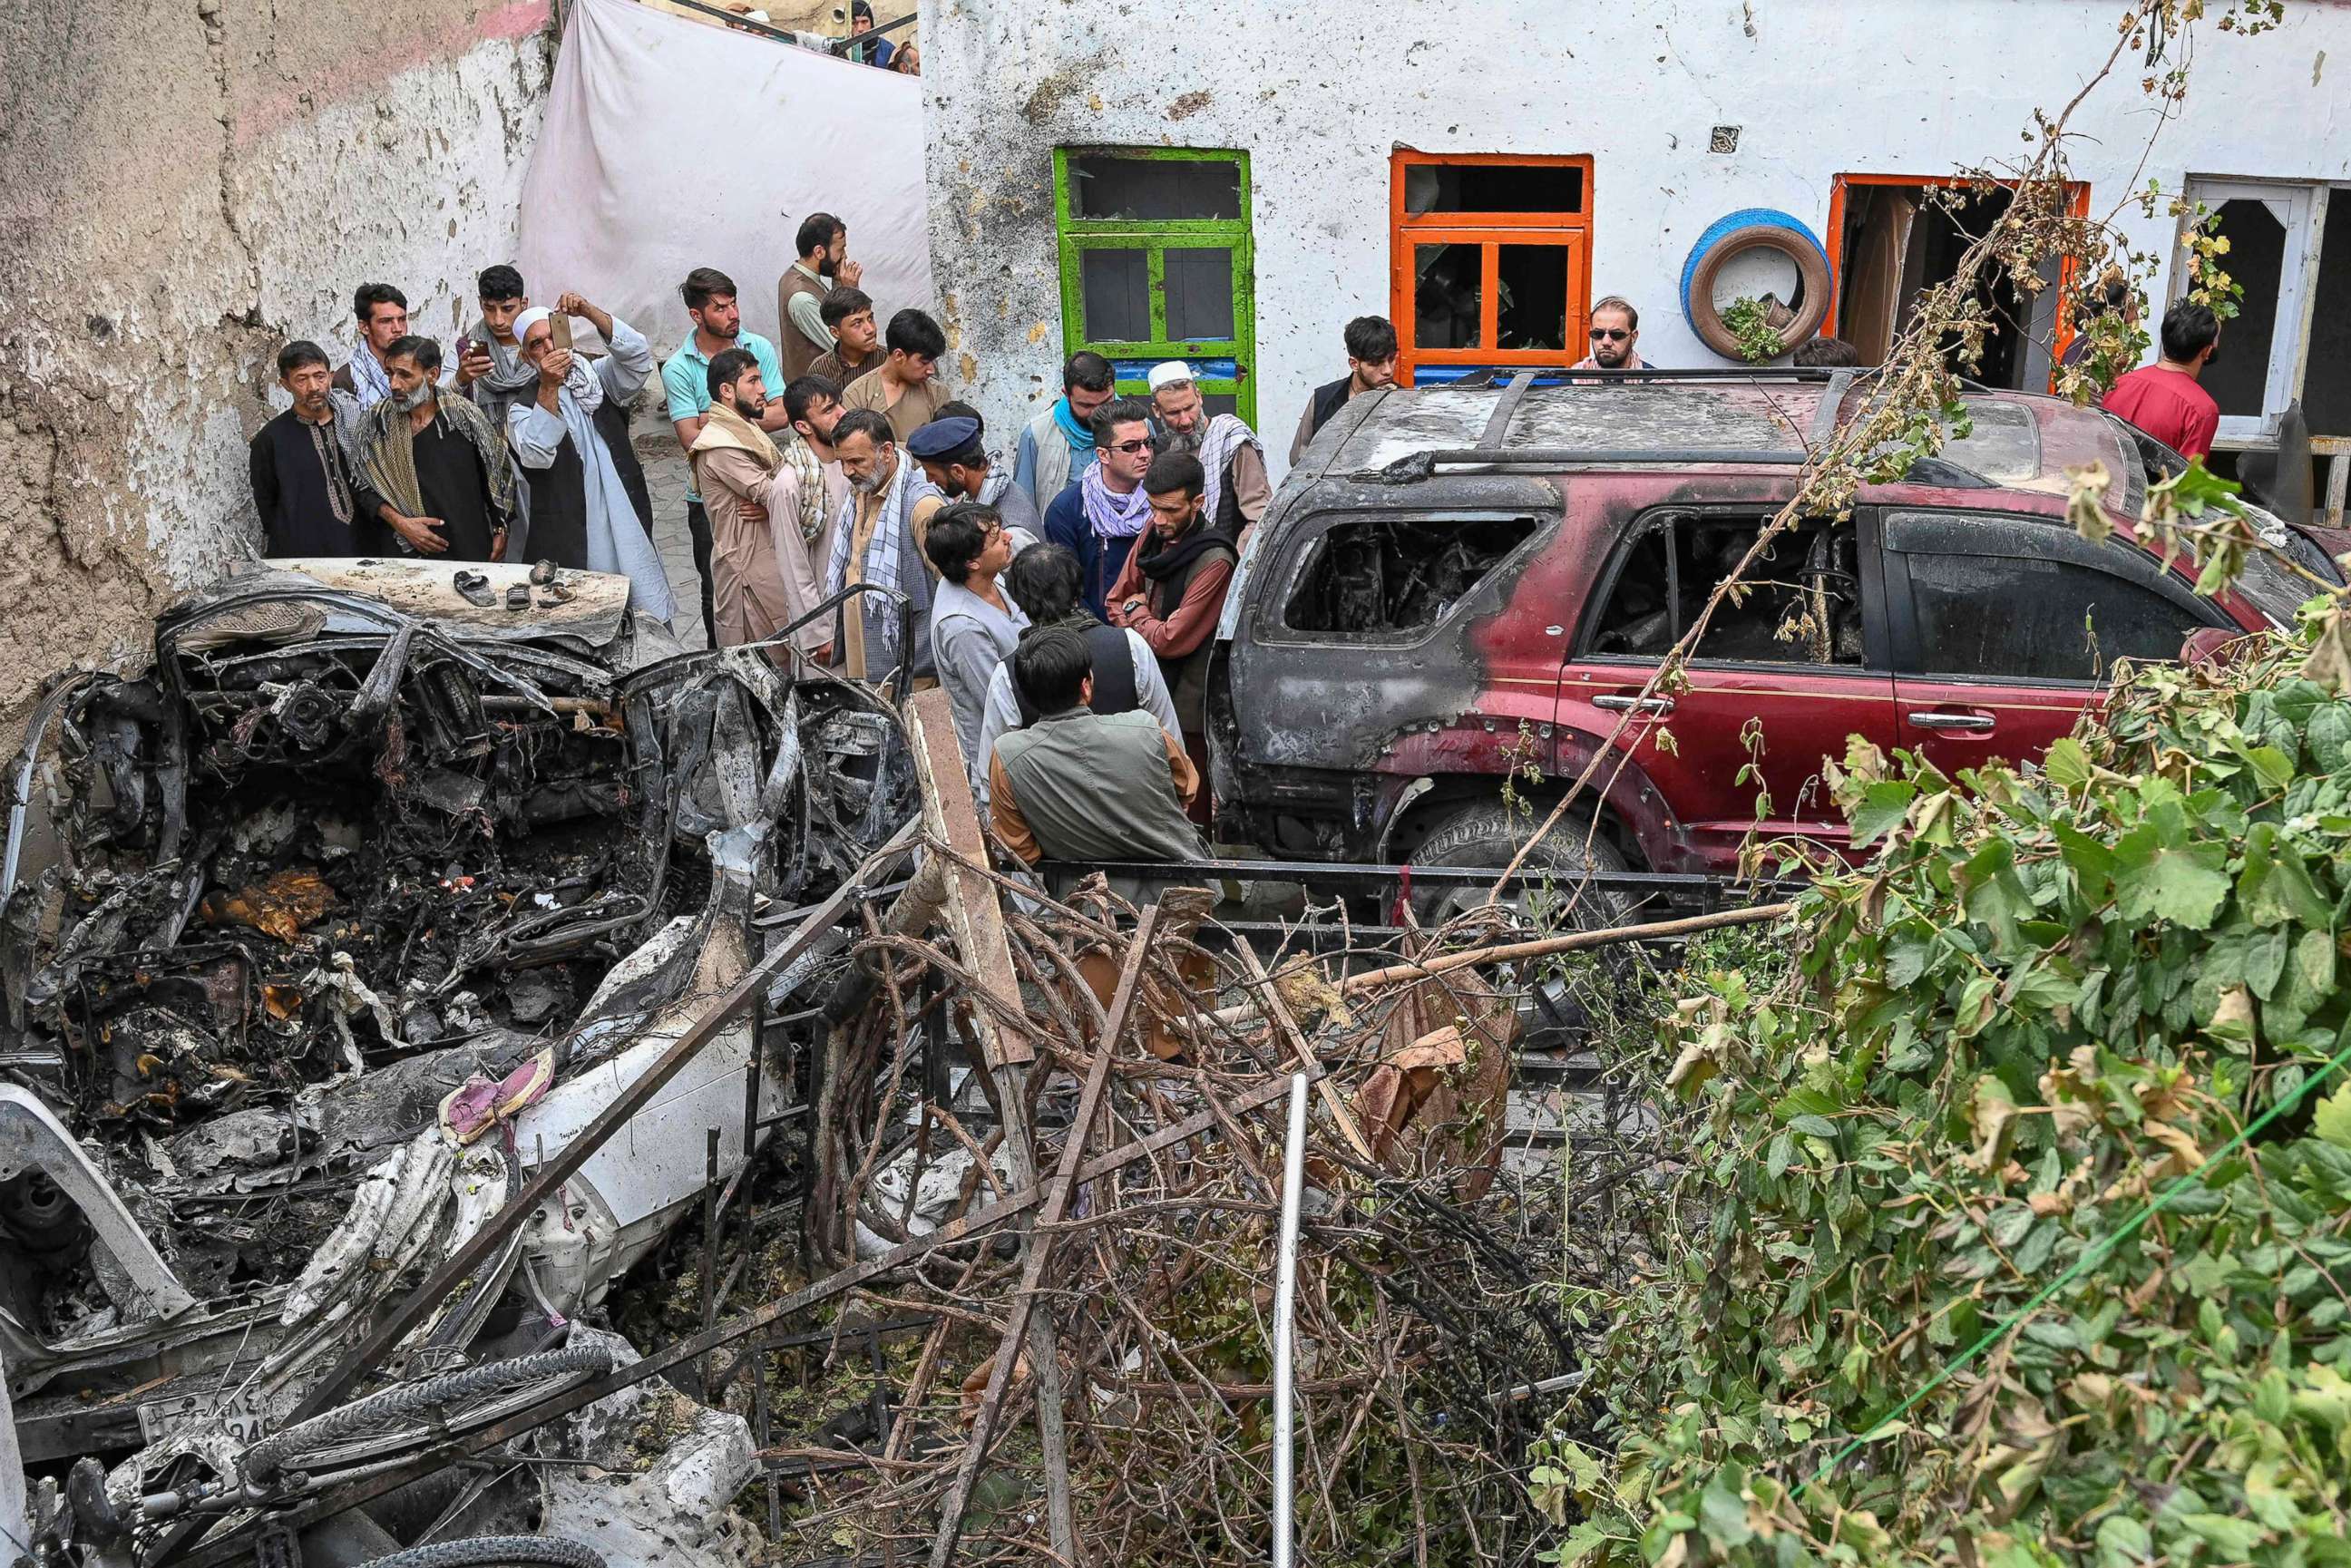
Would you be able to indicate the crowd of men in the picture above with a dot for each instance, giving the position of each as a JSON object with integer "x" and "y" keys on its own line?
{"x": 1068, "y": 606}
{"x": 1066, "y": 602}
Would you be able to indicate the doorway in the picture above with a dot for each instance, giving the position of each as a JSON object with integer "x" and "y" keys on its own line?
{"x": 1891, "y": 237}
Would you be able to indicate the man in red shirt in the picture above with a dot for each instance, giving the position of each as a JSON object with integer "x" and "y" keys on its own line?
{"x": 2164, "y": 399}
{"x": 1172, "y": 593}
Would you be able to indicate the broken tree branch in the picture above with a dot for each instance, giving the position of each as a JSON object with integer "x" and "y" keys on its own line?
{"x": 1032, "y": 1275}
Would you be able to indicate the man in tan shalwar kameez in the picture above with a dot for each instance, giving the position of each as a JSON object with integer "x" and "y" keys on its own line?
{"x": 762, "y": 500}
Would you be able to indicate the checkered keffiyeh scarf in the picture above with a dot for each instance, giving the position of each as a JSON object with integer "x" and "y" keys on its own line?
{"x": 880, "y": 564}
{"x": 1226, "y": 434}
{"x": 1113, "y": 517}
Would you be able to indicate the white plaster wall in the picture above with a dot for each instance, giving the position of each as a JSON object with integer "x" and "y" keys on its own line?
{"x": 217, "y": 178}
{"x": 1318, "y": 94}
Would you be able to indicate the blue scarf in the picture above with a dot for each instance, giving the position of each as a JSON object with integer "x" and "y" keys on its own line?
{"x": 1080, "y": 437}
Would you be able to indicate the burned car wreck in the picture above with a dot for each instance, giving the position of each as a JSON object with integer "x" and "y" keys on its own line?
{"x": 369, "y": 897}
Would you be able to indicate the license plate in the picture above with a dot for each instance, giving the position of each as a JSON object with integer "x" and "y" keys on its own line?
{"x": 234, "y": 1412}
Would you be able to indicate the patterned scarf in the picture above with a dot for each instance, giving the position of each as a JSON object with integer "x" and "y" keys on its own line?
{"x": 369, "y": 384}
{"x": 510, "y": 378}
{"x": 1226, "y": 434}
{"x": 810, "y": 468}
{"x": 390, "y": 446}
{"x": 880, "y": 564}
{"x": 1113, "y": 517}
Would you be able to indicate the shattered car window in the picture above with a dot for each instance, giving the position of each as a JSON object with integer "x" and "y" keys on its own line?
{"x": 1803, "y": 607}
{"x": 1387, "y": 579}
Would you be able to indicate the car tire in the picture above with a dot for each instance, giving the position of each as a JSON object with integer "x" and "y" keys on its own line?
{"x": 1754, "y": 228}
{"x": 1487, "y": 834}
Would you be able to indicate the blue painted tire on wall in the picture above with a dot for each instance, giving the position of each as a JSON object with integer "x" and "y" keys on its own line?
{"x": 1755, "y": 228}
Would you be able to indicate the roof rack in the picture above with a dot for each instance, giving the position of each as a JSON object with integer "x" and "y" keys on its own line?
{"x": 1487, "y": 375}
{"x": 1418, "y": 466}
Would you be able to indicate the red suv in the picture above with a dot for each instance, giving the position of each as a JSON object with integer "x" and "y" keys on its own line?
{"x": 1466, "y": 584}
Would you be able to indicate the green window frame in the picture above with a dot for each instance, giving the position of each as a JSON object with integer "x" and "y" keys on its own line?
{"x": 1227, "y": 363}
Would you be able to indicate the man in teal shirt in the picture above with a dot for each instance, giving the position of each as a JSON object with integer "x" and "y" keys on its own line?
{"x": 710, "y": 305}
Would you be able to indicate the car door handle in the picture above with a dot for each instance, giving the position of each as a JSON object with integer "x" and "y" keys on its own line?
{"x": 1967, "y": 723}
{"x": 1635, "y": 705}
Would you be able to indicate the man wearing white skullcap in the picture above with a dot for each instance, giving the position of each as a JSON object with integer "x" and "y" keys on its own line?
{"x": 580, "y": 512}
{"x": 1230, "y": 454}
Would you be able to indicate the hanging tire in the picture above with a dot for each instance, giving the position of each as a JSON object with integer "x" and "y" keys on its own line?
{"x": 1750, "y": 229}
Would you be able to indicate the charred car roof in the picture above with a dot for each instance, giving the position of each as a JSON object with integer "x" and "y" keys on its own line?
{"x": 1762, "y": 418}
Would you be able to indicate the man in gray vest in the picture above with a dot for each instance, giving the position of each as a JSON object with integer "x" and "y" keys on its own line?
{"x": 1087, "y": 786}
{"x": 1057, "y": 447}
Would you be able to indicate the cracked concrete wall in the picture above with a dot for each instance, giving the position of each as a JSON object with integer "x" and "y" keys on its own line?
{"x": 1319, "y": 92}
{"x": 184, "y": 185}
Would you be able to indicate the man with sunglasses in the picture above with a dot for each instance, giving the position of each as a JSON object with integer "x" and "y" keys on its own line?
{"x": 1616, "y": 328}
{"x": 1099, "y": 517}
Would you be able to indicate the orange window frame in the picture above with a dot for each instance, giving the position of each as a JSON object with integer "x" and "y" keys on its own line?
{"x": 1571, "y": 231}
{"x": 2077, "y": 204}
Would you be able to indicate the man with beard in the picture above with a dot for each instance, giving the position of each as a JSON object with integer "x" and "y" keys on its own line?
{"x": 307, "y": 482}
{"x": 1615, "y": 330}
{"x": 383, "y": 312}
{"x": 949, "y": 449}
{"x": 765, "y": 581}
{"x": 717, "y": 318}
{"x": 581, "y": 515}
{"x": 1173, "y": 591}
{"x": 1058, "y": 445}
{"x": 2164, "y": 399}
{"x": 812, "y": 404}
{"x": 878, "y": 538}
{"x": 1098, "y": 518}
{"x": 821, "y": 249}
{"x": 1370, "y": 365}
{"x": 856, "y": 348}
{"x": 441, "y": 467}
{"x": 1230, "y": 452}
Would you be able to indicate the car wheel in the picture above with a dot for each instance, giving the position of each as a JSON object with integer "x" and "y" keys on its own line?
{"x": 1488, "y": 833}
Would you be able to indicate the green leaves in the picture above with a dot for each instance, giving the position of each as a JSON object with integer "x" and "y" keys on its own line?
{"x": 2050, "y": 992}
{"x": 2332, "y": 1119}
{"x": 2184, "y": 884}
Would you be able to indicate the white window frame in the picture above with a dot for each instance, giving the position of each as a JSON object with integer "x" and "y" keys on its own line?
{"x": 2301, "y": 207}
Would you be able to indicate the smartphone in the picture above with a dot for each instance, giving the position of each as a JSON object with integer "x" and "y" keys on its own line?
{"x": 558, "y": 329}
{"x": 464, "y": 348}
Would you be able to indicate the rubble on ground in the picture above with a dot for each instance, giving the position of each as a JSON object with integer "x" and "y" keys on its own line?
{"x": 427, "y": 991}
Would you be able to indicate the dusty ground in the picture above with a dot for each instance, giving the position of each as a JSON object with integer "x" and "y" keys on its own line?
{"x": 665, "y": 478}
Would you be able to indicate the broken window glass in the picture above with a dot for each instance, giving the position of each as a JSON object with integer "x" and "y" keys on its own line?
{"x": 1448, "y": 282}
{"x": 1804, "y": 606}
{"x": 1199, "y": 292}
{"x": 1493, "y": 188}
{"x": 1386, "y": 578}
{"x": 1106, "y": 185}
{"x": 1117, "y": 289}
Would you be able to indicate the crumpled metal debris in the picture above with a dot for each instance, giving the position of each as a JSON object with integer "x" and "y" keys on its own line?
{"x": 368, "y": 904}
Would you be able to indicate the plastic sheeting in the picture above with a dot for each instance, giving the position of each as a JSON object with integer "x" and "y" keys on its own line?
{"x": 671, "y": 144}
